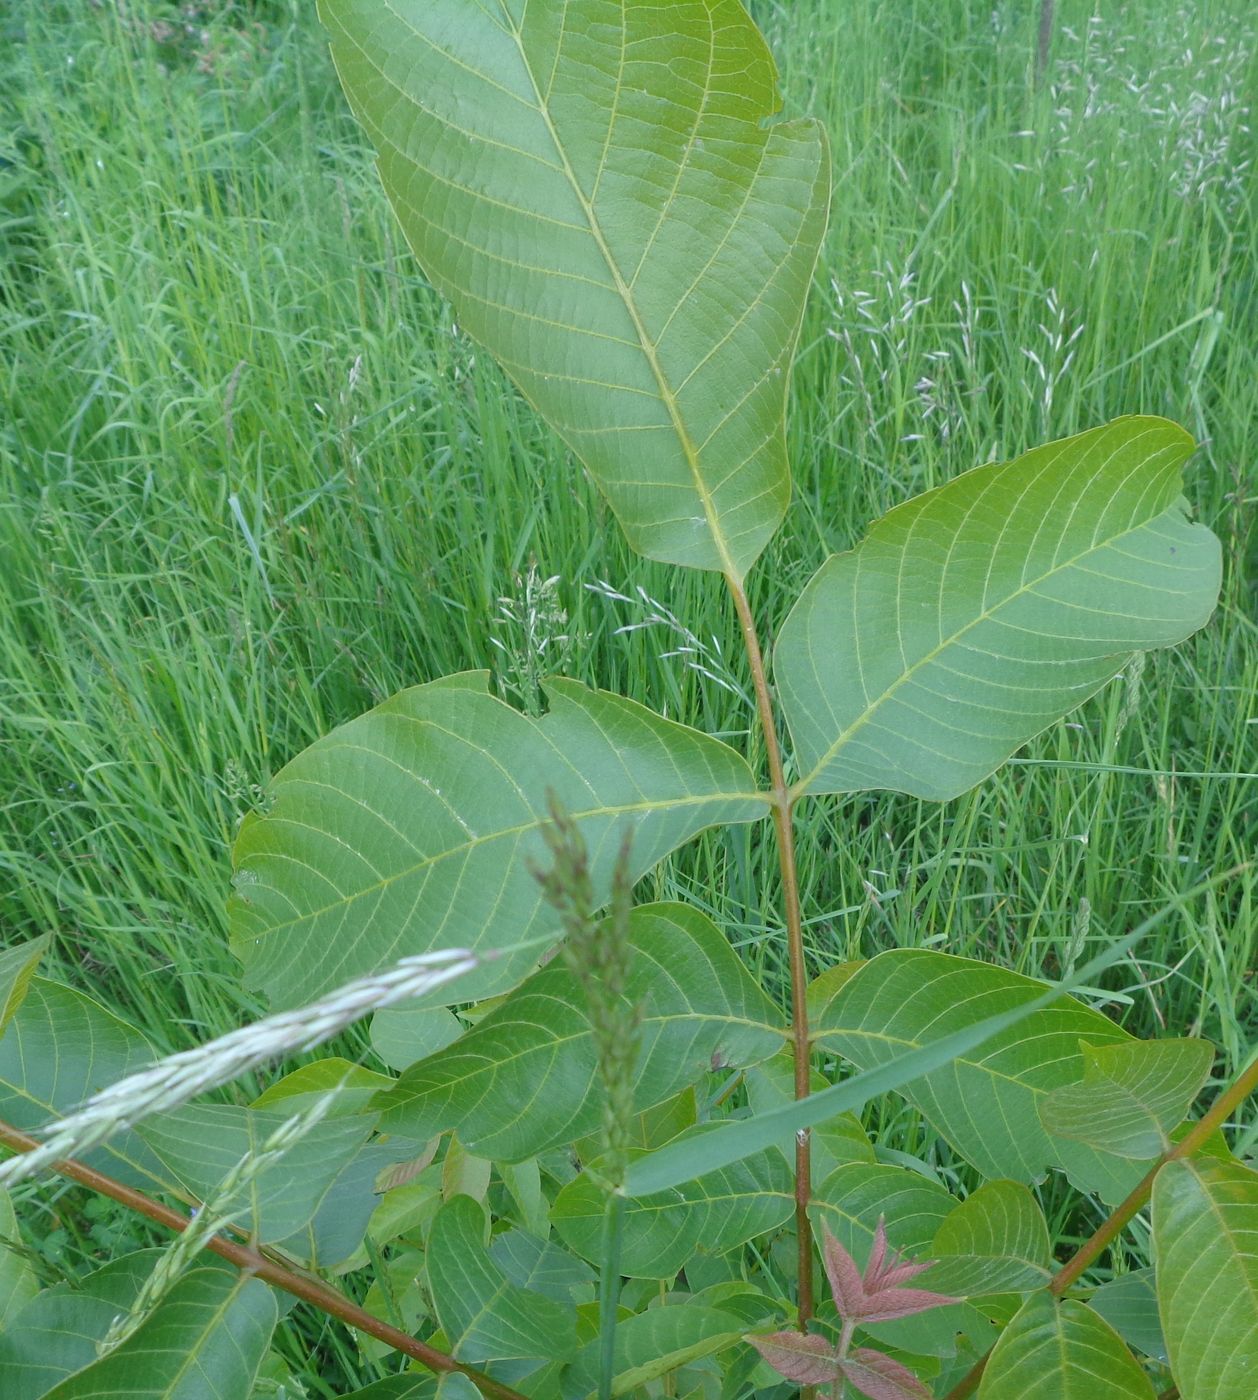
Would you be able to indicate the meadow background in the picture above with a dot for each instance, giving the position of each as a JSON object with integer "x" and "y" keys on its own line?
{"x": 253, "y": 479}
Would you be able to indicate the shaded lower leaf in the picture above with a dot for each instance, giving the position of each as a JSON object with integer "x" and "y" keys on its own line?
{"x": 525, "y": 1078}
{"x": 400, "y": 1035}
{"x": 1131, "y": 1095}
{"x": 1129, "y": 1303}
{"x": 204, "y": 1341}
{"x": 541, "y": 1266}
{"x": 484, "y": 1316}
{"x": 56, "y": 1333}
{"x": 18, "y": 1284}
{"x": 995, "y": 1241}
{"x": 1062, "y": 1351}
{"x": 417, "y": 1387}
{"x": 716, "y": 1211}
{"x": 653, "y": 1343}
{"x": 1205, "y": 1240}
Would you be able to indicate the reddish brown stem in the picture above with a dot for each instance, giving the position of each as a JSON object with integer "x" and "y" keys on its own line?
{"x": 1109, "y": 1230}
{"x": 309, "y": 1290}
{"x": 794, "y": 938}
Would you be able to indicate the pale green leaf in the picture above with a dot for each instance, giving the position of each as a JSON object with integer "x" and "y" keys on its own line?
{"x": 718, "y": 1210}
{"x": 400, "y": 1035}
{"x": 354, "y": 1086}
{"x": 1205, "y": 1240}
{"x": 525, "y": 1079}
{"x": 1131, "y": 1096}
{"x": 18, "y": 1283}
{"x": 985, "y": 1103}
{"x": 60, "y": 1048}
{"x": 995, "y": 1241}
{"x": 456, "y": 1386}
{"x": 204, "y": 1341}
{"x": 17, "y": 967}
{"x": 415, "y": 827}
{"x": 1061, "y": 1351}
{"x": 598, "y": 189}
{"x": 654, "y": 1343}
{"x": 484, "y": 1316}
{"x": 1129, "y": 1303}
{"x": 850, "y": 1201}
{"x": 201, "y": 1143}
{"x": 972, "y": 617}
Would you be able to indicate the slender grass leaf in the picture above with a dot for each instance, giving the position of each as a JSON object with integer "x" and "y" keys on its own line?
{"x": 986, "y": 1102}
{"x": 972, "y": 617}
{"x": 60, "y": 1048}
{"x": 842, "y": 1139}
{"x": 716, "y": 1211}
{"x": 597, "y": 188}
{"x": 56, "y": 1333}
{"x": 204, "y": 1341}
{"x": 1131, "y": 1096}
{"x": 694, "y": 1153}
{"x": 484, "y": 1316}
{"x": 413, "y": 827}
{"x": 652, "y": 1344}
{"x": 995, "y": 1241}
{"x": 17, "y": 966}
{"x": 525, "y": 1079}
{"x": 18, "y": 1283}
{"x": 1205, "y": 1241}
{"x": 1061, "y": 1351}
{"x": 1129, "y": 1303}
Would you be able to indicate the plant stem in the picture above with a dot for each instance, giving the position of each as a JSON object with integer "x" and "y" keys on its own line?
{"x": 609, "y": 1293}
{"x": 308, "y": 1289}
{"x": 794, "y": 937}
{"x": 1217, "y": 1114}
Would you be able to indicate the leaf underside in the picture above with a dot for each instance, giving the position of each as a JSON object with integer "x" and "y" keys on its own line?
{"x": 416, "y": 827}
{"x": 596, "y": 188}
{"x": 972, "y": 617}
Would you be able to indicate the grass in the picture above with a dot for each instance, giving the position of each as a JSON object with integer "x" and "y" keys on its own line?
{"x": 253, "y": 479}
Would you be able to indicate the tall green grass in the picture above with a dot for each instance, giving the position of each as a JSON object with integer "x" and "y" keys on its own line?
{"x": 253, "y": 478}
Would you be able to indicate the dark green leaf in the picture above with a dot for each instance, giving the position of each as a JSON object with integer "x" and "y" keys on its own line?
{"x": 1129, "y": 1303}
{"x": 654, "y": 1343}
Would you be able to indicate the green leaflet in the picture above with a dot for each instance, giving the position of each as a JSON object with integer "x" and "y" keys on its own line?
{"x": 60, "y": 1048}
{"x": 995, "y": 1241}
{"x": 483, "y": 1315}
{"x": 1131, "y": 1096}
{"x": 18, "y": 1282}
{"x": 972, "y": 617}
{"x": 1129, "y": 1303}
{"x": 654, "y": 1343}
{"x": 718, "y": 1210}
{"x": 851, "y": 1199}
{"x": 525, "y": 1079}
{"x": 986, "y": 1102}
{"x": 413, "y": 827}
{"x": 1205, "y": 1240}
{"x": 1061, "y": 1351}
{"x": 598, "y": 190}
{"x": 204, "y": 1341}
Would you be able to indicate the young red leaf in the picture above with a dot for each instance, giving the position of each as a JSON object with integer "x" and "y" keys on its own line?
{"x": 800, "y": 1356}
{"x": 876, "y": 1297}
{"x": 877, "y": 1376}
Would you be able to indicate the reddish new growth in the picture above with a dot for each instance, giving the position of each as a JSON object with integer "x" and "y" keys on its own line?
{"x": 877, "y": 1295}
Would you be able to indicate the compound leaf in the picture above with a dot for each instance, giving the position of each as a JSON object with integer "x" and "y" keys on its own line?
{"x": 414, "y": 826}
{"x": 525, "y": 1079}
{"x": 984, "y": 1102}
{"x": 1205, "y": 1240}
{"x": 1061, "y": 1351}
{"x": 973, "y": 616}
{"x": 1131, "y": 1095}
{"x": 598, "y": 190}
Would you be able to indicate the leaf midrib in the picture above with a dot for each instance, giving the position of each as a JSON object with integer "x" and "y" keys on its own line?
{"x": 801, "y": 787}
{"x": 667, "y": 396}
